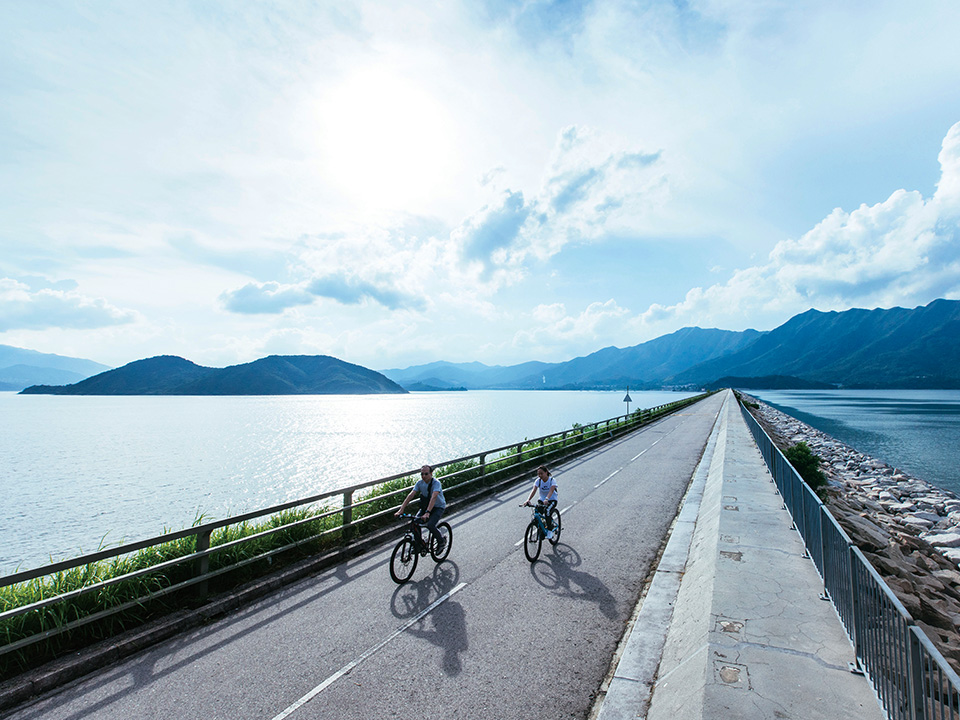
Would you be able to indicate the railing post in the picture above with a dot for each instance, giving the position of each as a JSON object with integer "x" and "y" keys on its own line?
{"x": 483, "y": 469}
{"x": 203, "y": 564}
{"x": 347, "y": 515}
{"x": 915, "y": 694}
{"x": 856, "y": 626}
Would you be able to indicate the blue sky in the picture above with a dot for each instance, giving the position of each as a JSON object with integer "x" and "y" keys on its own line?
{"x": 394, "y": 183}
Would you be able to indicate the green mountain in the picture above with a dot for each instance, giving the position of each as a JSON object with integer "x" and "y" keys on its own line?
{"x": 274, "y": 375}
{"x": 639, "y": 366}
{"x": 894, "y": 348}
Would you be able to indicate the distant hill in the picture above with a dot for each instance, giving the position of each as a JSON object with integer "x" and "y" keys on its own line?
{"x": 895, "y": 348}
{"x": 639, "y": 366}
{"x": 274, "y": 375}
{"x": 21, "y": 368}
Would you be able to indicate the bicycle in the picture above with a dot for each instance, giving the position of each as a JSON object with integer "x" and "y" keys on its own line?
{"x": 537, "y": 530}
{"x": 405, "y": 555}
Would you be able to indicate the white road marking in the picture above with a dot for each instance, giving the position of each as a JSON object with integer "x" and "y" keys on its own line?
{"x": 351, "y": 665}
{"x": 643, "y": 451}
{"x": 606, "y": 478}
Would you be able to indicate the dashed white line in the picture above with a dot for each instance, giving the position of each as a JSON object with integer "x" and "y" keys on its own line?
{"x": 643, "y": 451}
{"x": 607, "y": 478}
{"x": 351, "y": 665}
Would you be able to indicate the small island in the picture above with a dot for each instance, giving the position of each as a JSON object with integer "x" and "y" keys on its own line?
{"x": 273, "y": 375}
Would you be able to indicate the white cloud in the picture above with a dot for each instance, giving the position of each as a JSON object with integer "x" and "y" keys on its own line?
{"x": 904, "y": 251}
{"x": 24, "y": 309}
{"x": 552, "y": 331}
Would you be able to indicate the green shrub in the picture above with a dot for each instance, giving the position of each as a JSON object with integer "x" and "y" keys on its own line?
{"x": 807, "y": 464}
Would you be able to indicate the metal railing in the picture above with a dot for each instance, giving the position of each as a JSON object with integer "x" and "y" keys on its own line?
{"x": 328, "y": 520}
{"x": 911, "y": 678}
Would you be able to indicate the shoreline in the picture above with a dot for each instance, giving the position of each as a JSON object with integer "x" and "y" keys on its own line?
{"x": 907, "y": 528}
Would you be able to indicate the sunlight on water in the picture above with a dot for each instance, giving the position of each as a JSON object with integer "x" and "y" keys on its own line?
{"x": 78, "y": 470}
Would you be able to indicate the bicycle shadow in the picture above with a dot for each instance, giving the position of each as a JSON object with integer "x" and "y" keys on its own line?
{"x": 557, "y": 571}
{"x": 445, "y": 626}
{"x": 449, "y": 632}
{"x": 415, "y": 596}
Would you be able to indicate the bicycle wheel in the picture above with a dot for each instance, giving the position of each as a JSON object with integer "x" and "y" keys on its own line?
{"x": 447, "y": 533}
{"x": 403, "y": 561}
{"x": 532, "y": 540}
{"x": 555, "y": 518}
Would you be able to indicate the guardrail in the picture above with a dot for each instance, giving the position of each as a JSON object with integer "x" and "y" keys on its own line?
{"x": 911, "y": 678}
{"x": 74, "y": 594}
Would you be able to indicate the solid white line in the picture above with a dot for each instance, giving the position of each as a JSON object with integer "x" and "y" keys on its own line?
{"x": 606, "y": 478}
{"x": 351, "y": 665}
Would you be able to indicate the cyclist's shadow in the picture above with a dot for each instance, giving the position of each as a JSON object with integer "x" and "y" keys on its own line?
{"x": 445, "y": 626}
{"x": 556, "y": 571}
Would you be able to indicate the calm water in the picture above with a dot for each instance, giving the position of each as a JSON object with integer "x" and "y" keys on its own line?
{"x": 917, "y": 431}
{"x": 75, "y": 471}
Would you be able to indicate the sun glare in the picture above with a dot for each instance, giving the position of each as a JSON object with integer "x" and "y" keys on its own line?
{"x": 386, "y": 143}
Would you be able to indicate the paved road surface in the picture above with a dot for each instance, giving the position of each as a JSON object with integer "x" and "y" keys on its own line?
{"x": 485, "y": 634}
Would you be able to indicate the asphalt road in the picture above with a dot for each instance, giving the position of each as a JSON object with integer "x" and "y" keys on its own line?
{"x": 486, "y": 634}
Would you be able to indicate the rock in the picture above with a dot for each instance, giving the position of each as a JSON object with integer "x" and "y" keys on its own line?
{"x": 946, "y": 540}
{"x": 868, "y": 536}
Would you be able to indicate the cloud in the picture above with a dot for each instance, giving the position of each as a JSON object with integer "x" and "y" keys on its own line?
{"x": 551, "y": 328}
{"x": 350, "y": 290}
{"x": 493, "y": 228}
{"x": 266, "y": 298}
{"x": 275, "y": 298}
{"x": 26, "y": 309}
{"x": 904, "y": 251}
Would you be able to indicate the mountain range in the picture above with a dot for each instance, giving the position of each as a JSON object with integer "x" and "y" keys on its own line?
{"x": 881, "y": 348}
{"x": 21, "y": 368}
{"x": 273, "y": 375}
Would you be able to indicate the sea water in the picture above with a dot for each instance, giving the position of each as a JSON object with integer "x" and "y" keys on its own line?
{"x": 78, "y": 472}
{"x": 917, "y": 431}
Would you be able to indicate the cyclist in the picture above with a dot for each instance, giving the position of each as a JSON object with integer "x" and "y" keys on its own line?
{"x": 549, "y": 495}
{"x": 432, "y": 503}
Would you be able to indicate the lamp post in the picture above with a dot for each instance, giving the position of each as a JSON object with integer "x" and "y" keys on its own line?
{"x": 627, "y": 400}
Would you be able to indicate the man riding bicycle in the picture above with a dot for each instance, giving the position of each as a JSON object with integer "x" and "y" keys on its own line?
{"x": 432, "y": 503}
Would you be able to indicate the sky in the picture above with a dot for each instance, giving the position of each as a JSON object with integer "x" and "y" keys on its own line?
{"x": 394, "y": 183}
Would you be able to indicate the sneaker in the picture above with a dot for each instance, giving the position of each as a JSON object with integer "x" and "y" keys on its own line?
{"x": 549, "y": 534}
{"x": 441, "y": 545}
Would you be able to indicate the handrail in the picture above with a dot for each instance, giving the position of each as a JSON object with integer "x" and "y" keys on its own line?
{"x": 911, "y": 678}
{"x": 503, "y": 464}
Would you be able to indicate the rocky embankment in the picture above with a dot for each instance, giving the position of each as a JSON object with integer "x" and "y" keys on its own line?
{"x": 908, "y": 529}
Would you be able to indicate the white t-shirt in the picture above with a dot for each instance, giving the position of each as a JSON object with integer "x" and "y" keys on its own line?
{"x": 544, "y": 487}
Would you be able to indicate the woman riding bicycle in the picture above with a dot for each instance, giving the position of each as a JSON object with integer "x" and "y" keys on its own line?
{"x": 549, "y": 495}
{"x": 432, "y": 503}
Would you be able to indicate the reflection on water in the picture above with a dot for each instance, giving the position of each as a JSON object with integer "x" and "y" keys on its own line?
{"x": 917, "y": 431}
{"x": 78, "y": 470}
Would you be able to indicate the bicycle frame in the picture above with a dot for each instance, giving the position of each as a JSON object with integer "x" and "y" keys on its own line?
{"x": 415, "y": 532}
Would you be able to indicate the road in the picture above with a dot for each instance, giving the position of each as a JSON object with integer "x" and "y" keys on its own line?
{"x": 485, "y": 634}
